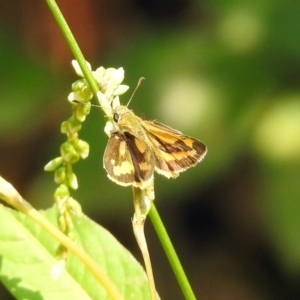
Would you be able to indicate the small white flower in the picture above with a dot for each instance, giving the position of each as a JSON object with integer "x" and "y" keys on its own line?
{"x": 76, "y": 96}
{"x": 78, "y": 69}
{"x": 115, "y": 102}
{"x": 109, "y": 73}
{"x": 118, "y": 76}
{"x": 101, "y": 71}
{"x": 109, "y": 127}
{"x": 105, "y": 105}
{"x": 120, "y": 90}
{"x": 102, "y": 99}
{"x": 99, "y": 75}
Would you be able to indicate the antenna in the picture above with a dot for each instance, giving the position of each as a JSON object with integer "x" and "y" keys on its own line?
{"x": 88, "y": 104}
{"x": 95, "y": 105}
{"x": 137, "y": 86}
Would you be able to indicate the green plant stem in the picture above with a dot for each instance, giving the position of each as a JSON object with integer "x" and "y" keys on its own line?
{"x": 73, "y": 45}
{"x": 171, "y": 254}
{"x": 14, "y": 199}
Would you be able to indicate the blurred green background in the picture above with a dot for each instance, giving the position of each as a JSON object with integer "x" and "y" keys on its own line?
{"x": 226, "y": 72}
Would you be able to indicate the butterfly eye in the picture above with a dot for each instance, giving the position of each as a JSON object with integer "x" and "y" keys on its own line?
{"x": 116, "y": 117}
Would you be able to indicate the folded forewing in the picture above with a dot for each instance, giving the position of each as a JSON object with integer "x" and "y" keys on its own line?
{"x": 174, "y": 152}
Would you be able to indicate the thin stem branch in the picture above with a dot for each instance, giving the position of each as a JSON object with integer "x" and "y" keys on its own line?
{"x": 138, "y": 229}
{"x": 171, "y": 254}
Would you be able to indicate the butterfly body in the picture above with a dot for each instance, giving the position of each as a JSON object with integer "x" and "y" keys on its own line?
{"x": 137, "y": 147}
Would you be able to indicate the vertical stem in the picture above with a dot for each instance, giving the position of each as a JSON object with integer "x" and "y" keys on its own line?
{"x": 171, "y": 254}
{"x": 66, "y": 31}
{"x": 138, "y": 221}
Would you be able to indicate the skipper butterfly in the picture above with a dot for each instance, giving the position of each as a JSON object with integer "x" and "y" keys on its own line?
{"x": 136, "y": 148}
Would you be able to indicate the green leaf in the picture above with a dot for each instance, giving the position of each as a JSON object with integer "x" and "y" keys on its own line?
{"x": 28, "y": 255}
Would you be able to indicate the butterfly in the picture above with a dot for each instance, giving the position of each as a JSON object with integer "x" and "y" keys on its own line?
{"x": 136, "y": 148}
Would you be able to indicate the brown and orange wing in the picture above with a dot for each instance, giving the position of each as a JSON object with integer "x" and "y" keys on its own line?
{"x": 128, "y": 160}
{"x": 174, "y": 152}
